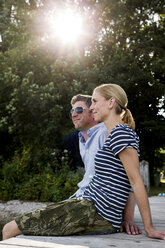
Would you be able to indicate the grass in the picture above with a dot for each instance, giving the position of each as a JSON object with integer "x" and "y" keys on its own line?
{"x": 155, "y": 190}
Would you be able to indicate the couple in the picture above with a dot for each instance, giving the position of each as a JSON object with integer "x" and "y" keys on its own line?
{"x": 98, "y": 206}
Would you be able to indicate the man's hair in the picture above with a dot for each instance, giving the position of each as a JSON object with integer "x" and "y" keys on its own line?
{"x": 84, "y": 98}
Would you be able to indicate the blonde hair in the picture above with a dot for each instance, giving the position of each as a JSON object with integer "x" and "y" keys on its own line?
{"x": 114, "y": 90}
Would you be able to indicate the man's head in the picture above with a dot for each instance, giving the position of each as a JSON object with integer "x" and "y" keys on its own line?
{"x": 81, "y": 114}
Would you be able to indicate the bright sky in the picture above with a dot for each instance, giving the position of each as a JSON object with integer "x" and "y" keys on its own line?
{"x": 66, "y": 25}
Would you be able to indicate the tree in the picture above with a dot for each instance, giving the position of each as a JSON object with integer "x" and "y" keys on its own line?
{"x": 130, "y": 52}
{"x": 123, "y": 43}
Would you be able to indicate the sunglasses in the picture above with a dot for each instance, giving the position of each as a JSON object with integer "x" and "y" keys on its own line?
{"x": 78, "y": 110}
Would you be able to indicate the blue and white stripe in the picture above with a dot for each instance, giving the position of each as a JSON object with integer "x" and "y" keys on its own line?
{"x": 110, "y": 187}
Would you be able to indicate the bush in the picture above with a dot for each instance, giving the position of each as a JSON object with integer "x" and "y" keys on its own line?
{"x": 50, "y": 180}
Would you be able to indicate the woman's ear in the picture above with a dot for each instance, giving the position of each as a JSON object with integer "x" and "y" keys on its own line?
{"x": 111, "y": 102}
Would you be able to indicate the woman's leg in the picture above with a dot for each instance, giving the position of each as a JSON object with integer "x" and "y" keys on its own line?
{"x": 10, "y": 230}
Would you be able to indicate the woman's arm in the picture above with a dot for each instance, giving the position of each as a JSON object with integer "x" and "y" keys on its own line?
{"x": 128, "y": 217}
{"x": 130, "y": 161}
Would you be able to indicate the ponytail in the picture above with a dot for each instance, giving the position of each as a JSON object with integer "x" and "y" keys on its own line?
{"x": 127, "y": 118}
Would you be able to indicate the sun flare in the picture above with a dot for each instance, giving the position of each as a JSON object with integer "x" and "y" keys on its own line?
{"x": 67, "y": 26}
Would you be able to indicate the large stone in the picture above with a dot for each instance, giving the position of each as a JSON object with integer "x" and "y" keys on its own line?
{"x": 10, "y": 209}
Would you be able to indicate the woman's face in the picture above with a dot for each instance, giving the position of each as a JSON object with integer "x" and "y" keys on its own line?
{"x": 99, "y": 107}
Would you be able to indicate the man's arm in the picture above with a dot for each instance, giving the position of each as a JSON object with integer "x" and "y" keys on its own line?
{"x": 128, "y": 224}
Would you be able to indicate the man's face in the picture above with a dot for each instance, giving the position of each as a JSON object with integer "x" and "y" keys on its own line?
{"x": 82, "y": 120}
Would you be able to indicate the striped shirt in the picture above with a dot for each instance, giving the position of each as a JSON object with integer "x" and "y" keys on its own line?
{"x": 110, "y": 187}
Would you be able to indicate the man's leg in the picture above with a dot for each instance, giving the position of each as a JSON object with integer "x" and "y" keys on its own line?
{"x": 10, "y": 230}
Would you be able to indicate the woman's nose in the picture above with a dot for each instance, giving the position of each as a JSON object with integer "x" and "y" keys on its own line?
{"x": 91, "y": 107}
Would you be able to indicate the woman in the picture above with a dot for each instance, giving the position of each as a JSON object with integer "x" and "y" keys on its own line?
{"x": 117, "y": 163}
{"x": 116, "y": 166}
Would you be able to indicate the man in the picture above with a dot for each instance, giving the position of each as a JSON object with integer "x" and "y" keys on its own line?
{"x": 92, "y": 136}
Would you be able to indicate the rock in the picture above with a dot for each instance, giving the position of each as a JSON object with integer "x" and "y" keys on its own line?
{"x": 10, "y": 209}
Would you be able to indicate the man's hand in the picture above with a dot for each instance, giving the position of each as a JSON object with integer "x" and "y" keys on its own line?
{"x": 130, "y": 228}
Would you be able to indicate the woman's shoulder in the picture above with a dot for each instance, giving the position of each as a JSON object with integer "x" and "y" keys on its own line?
{"x": 123, "y": 129}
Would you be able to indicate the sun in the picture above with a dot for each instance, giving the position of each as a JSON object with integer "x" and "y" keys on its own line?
{"x": 67, "y": 26}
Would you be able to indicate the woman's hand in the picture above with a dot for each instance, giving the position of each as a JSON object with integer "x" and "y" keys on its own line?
{"x": 130, "y": 228}
{"x": 156, "y": 234}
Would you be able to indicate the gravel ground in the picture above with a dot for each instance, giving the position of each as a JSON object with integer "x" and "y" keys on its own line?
{"x": 10, "y": 209}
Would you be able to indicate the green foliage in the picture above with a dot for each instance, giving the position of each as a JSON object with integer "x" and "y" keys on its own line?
{"x": 52, "y": 182}
{"x": 155, "y": 190}
{"x": 123, "y": 43}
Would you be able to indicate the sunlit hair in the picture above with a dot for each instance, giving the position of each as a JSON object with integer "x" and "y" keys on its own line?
{"x": 114, "y": 90}
{"x": 84, "y": 98}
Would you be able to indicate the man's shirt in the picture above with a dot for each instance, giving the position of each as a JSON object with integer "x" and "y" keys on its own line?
{"x": 97, "y": 135}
